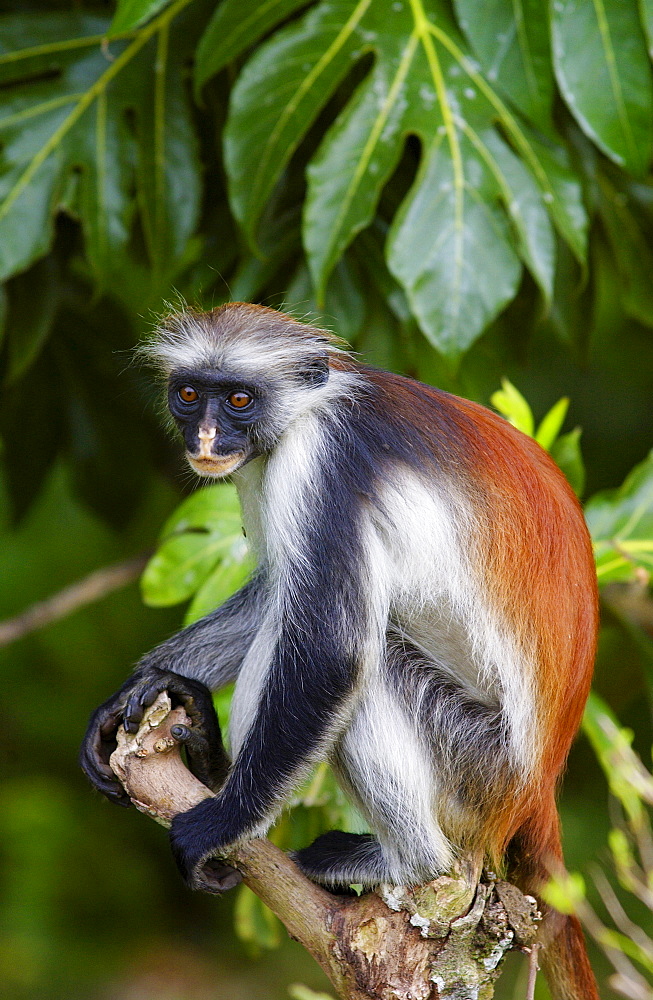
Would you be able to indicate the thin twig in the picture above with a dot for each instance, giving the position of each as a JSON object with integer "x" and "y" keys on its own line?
{"x": 533, "y": 969}
{"x": 91, "y": 588}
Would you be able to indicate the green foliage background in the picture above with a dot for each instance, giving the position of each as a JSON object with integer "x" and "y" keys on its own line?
{"x": 460, "y": 189}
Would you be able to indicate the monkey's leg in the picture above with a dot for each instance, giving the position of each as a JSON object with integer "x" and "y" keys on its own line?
{"x": 338, "y": 860}
{"x": 382, "y": 765}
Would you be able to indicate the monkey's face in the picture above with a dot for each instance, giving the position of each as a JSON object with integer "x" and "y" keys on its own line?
{"x": 217, "y": 418}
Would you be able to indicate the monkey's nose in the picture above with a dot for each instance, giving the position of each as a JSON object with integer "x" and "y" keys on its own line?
{"x": 207, "y": 435}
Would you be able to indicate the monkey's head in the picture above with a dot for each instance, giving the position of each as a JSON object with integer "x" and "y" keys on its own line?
{"x": 237, "y": 377}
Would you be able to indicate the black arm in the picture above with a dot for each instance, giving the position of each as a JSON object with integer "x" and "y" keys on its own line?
{"x": 206, "y": 654}
{"x": 324, "y": 623}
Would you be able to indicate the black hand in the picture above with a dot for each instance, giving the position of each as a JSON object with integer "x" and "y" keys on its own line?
{"x": 98, "y": 745}
{"x": 130, "y": 702}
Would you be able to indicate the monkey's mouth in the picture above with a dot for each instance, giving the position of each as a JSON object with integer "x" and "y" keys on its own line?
{"x": 216, "y": 465}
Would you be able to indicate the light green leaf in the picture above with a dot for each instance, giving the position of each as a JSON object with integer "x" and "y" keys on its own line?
{"x": 255, "y": 923}
{"x": 225, "y": 580}
{"x": 565, "y": 891}
{"x": 235, "y": 25}
{"x": 629, "y": 780}
{"x": 132, "y": 13}
{"x": 621, "y": 525}
{"x": 202, "y": 552}
{"x": 551, "y": 424}
{"x": 206, "y": 508}
{"x": 75, "y": 119}
{"x": 511, "y": 404}
{"x": 566, "y": 453}
{"x": 603, "y": 71}
{"x": 511, "y": 39}
{"x": 300, "y": 992}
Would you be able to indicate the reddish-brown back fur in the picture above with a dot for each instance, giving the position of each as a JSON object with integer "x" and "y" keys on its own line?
{"x": 537, "y": 569}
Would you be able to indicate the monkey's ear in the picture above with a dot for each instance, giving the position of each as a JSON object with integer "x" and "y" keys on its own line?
{"x": 316, "y": 370}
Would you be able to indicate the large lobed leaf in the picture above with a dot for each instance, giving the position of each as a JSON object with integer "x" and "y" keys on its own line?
{"x": 83, "y": 125}
{"x": 484, "y": 197}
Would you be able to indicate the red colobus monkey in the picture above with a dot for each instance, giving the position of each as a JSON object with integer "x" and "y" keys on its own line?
{"x": 423, "y": 616}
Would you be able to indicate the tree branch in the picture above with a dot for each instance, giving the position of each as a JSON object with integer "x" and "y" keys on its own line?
{"x": 442, "y": 940}
{"x": 91, "y": 588}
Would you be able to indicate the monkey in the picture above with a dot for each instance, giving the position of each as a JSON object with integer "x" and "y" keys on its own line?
{"x": 423, "y": 616}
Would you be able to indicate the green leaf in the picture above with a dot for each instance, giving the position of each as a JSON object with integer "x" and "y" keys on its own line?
{"x": 202, "y": 552}
{"x": 551, "y": 424}
{"x": 621, "y": 525}
{"x": 629, "y": 780}
{"x": 230, "y": 576}
{"x": 604, "y": 74}
{"x": 83, "y": 125}
{"x": 565, "y": 891}
{"x": 479, "y": 206}
{"x": 565, "y": 451}
{"x": 344, "y": 306}
{"x": 255, "y": 923}
{"x": 631, "y": 246}
{"x": 509, "y": 401}
{"x": 300, "y": 992}
{"x": 511, "y": 39}
{"x": 235, "y": 25}
{"x": 132, "y": 13}
{"x": 34, "y": 299}
{"x": 206, "y": 508}
{"x": 646, "y": 15}
{"x": 449, "y": 246}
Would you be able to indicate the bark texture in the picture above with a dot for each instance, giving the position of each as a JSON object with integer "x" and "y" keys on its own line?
{"x": 441, "y": 941}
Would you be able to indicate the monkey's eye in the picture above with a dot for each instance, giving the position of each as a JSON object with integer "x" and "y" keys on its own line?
{"x": 239, "y": 400}
{"x": 187, "y": 394}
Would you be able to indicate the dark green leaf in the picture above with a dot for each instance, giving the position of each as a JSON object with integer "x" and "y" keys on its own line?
{"x": 646, "y": 14}
{"x": 74, "y": 119}
{"x": 132, "y": 13}
{"x": 279, "y": 94}
{"x": 511, "y": 39}
{"x": 631, "y": 245}
{"x": 235, "y": 25}
{"x": 34, "y": 297}
{"x": 422, "y": 83}
{"x": 450, "y": 248}
{"x": 343, "y": 310}
{"x": 604, "y": 74}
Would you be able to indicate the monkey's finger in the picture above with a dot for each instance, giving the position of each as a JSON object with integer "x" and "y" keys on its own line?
{"x": 196, "y": 699}
{"x": 93, "y": 760}
{"x": 141, "y": 698}
{"x": 208, "y": 763}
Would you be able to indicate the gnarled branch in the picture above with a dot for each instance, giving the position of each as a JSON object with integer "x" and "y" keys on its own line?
{"x": 442, "y": 940}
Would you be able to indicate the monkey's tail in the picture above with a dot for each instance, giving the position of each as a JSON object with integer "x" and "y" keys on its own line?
{"x": 564, "y": 961}
{"x": 534, "y": 853}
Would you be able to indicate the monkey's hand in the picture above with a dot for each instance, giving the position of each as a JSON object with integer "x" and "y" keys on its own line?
{"x": 197, "y": 844}
{"x": 205, "y": 751}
